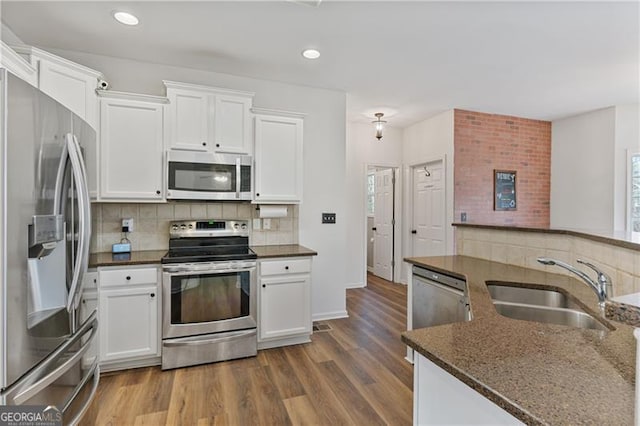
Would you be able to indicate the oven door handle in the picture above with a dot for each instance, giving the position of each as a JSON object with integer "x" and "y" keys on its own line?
{"x": 190, "y": 271}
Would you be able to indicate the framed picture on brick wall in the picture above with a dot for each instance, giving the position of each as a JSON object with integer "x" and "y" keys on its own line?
{"x": 504, "y": 190}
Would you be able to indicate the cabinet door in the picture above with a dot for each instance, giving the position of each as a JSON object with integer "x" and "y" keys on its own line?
{"x": 73, "y": 89}
{"x": 285, "y": 306}
{"x": 188, "y": 120}
{"x": 131, "y": 139}
{"x": 278, "y": 174}
{"x": 128, "y": 323}
{"x": 232, "y": 124}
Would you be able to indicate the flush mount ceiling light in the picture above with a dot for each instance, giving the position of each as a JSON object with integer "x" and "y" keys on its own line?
{"x": 126, "y": 18}
{"x": 379, "y": 124}
{"x": 311, "y": 53}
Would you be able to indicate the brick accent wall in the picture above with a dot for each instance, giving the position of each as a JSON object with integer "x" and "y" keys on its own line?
{"x": 484, "y": 142}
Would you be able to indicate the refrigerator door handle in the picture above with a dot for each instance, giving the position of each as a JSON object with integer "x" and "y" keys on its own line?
{"x": 84, "y": 231}
{"x": 94, "y": 372}
{"x": 91, "y": 325}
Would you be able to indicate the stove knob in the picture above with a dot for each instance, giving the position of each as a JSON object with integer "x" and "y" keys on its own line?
{"x": 244, "y": 226}
{"x": 183, "y": 226}
{"x": 191, "y": 226}
{"x": 174, "y": 227}
{"x": 235, "y": 226}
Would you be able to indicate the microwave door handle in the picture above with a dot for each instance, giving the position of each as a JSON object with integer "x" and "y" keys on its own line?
{"x": 238, "y": 176}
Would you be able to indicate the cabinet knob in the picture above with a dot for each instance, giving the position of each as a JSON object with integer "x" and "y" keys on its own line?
{"x": 264, "y": 286}
{"x": 152, "y": 295}
{"x": 257, "y": 194}
{"x": 204, "y": 144}
{"x": 158, "y": 192}
{"x": 286, "y": 267}
{"x": 128, "y": 278}
{"x": 217, "y": 145}
{"x": 84, "y": 301}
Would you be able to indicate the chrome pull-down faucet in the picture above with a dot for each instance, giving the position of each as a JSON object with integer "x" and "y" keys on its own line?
{"x": 603, "y": 285}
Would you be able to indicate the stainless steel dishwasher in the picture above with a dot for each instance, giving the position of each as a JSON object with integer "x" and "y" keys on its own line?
{"x": 438, "y": 299}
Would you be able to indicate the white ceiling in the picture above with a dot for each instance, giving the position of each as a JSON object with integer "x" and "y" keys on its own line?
{"x": 541, "y": 60}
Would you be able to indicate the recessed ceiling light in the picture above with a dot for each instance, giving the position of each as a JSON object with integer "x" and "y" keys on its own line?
{"x": 125, "y": 18}
{"x": 311, "y": 54}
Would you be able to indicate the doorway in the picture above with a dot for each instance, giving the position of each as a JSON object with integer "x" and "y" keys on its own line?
{"x": 428, "y": 236}
{"x": 381, "y": 212}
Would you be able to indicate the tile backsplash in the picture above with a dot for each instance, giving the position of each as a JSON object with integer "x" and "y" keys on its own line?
{"x": 151, "y": 223}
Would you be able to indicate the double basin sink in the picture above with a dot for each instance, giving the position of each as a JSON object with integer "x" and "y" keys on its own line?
{"x": 541, "y": 305}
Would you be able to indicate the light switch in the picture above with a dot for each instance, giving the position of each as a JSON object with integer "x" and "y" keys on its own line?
{"x": 328, "y": 218}
{"x": 266, "y": 223}
{"x": 256, "y": 224}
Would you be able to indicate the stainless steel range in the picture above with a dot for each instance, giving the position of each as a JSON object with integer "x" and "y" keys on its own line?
{"x": 209, "y": 293}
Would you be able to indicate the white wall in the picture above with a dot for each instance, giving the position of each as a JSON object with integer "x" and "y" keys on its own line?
{"x": 582, "y": 170}
{"x": 8, "y": 36}
{"x": 324, "y": 156}
{"x": 429, "y": 140}
{"x": 627, "y": 141}
{"x": 364, "y": 149}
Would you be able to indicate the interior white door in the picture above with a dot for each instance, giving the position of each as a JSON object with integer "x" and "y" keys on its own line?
{"x": 383, "y": 225}
{"x": 428, "y": 231}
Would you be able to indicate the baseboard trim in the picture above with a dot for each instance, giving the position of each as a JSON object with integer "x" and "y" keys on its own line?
{"x": 354, "y": 285}
{"x": 329, "y": 315}
{"x": 126, "y": 365}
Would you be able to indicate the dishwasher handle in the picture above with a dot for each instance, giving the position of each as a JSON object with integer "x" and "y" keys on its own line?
{"x": 441, "y": 279}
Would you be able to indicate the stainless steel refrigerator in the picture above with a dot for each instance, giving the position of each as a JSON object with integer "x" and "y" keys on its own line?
{"x": 45, "y": 230}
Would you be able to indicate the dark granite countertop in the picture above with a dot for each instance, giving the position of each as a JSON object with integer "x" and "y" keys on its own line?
{"x": 287, "y": 250}
{"x": 154, "y": 256}
{"x": 540, "y": 373}
{"x": 125, "y": 259}
{"x": 615, "y": 238}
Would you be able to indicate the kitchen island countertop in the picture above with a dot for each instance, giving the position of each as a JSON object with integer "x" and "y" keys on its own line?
{"x": 540, "y": 373}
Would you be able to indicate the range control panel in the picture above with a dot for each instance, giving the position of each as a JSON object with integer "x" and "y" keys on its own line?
{"x": 208, "y": 228}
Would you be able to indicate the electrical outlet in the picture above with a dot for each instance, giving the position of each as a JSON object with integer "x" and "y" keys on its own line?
{"x": 463, "y": 217}
{"x": 328, "y": 218}
{"x": 266, "y": 223}
{"x": 127, "y": 225}
{"x": 256, "y": 224}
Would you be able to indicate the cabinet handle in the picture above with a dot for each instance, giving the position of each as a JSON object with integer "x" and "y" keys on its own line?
{"x": 217, "y": 145}
{"x": 128, "y": 278}
{"x": 152, "y": 295}
{"x": 413, "y": 231}
{"x": 204, "y": 144}
{"x": 286, "y": 267}
{"x": 264, "y": 286}
{"x": 158, "y": 192}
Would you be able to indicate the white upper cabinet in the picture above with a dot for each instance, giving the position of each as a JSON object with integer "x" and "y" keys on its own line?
{"x": 203, "y": 118}
{"x": 71, "y": 84}
{"x": 17, "y": 65}
{"x": 131, "y": 147}
{"x": 278, "y": 156}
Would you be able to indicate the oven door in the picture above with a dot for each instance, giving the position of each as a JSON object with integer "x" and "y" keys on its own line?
{"x": 206, "y": 176}
{"x": 200, "y": 300}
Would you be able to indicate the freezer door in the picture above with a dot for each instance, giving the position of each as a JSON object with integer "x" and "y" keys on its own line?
{"x": 65, "y": 379}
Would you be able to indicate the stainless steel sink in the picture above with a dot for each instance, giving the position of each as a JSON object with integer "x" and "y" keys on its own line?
{"x": 560, "y": 316}
{"x": 530, "y": 296}
{"x": 541, "y": 305}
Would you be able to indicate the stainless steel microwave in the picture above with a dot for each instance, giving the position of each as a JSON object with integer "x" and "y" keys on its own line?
{"x": 208, "y": 176}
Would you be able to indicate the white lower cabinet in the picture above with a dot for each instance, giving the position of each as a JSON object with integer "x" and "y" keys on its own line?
{"x": 284, "y": 302}
{"x": 129, "y": 317}
{"x": 441, "y": 399}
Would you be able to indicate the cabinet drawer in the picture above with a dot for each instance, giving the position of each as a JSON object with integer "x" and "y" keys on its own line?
{"x": 285, "y": 266}
{"x": 117, "y": 277}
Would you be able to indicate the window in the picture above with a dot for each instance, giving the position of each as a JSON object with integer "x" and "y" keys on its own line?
{"x": 635, "y": 193}
{"x": 371, "y": 193}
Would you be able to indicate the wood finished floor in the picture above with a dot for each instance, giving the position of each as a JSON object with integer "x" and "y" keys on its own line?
{"x": 354, "y": 373}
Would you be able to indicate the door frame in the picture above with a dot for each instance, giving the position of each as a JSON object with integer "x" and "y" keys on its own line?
{"x": 397, "y": 215}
